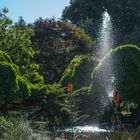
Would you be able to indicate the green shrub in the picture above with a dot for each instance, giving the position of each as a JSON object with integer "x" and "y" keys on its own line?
{"x": 11, "y": 129}
{"x": 31, "y": 73}
{"x": 5, "y": 58}
{"x": 5, "y": 126}
{"x": 24, "y": 87}
{"x": 8, "y": 82}
{"x": 79, "y": 71}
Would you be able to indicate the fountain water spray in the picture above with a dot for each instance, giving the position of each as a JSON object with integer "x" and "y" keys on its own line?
{"x": 106, "y": 43}
{"x": 106, "y": 37}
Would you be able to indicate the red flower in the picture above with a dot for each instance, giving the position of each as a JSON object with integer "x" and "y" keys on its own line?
{"x": 70, "y": 87}
{"x": 116, "y": 97}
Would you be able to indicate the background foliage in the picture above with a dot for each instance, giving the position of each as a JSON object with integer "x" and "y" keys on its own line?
{"x": 124, "y": 79}
{"x": 88, "y": 14}
{"x": 55, "y": 44}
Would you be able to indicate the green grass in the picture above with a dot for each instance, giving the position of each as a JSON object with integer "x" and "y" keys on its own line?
{"x": 11, "y": 129}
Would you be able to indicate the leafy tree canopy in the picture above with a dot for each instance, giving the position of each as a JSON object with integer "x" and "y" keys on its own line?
{"x": 15, "y": 40}
{"x": 55, "y": 44}
{"x": 87, "y": 13}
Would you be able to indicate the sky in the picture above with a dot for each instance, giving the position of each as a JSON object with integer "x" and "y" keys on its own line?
{"x": 31, "y": 10}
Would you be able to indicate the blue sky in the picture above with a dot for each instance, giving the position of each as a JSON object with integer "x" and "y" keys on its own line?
{"x": 31, "y": 10}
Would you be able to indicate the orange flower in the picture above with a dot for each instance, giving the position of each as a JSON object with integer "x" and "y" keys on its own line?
{"x": 116, "y": 97}
{"x": 70, "y": 87}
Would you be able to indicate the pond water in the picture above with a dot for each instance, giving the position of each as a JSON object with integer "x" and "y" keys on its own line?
{"x": 101, "y": 132}
{"x": 102, "y": 128}
{"x": 83, "y": 129}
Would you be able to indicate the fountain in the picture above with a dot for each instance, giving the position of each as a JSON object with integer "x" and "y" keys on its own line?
{"x": 106, "y": 37}
{"x": 104, "y": 85}
{"x": 105, "y": 45}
